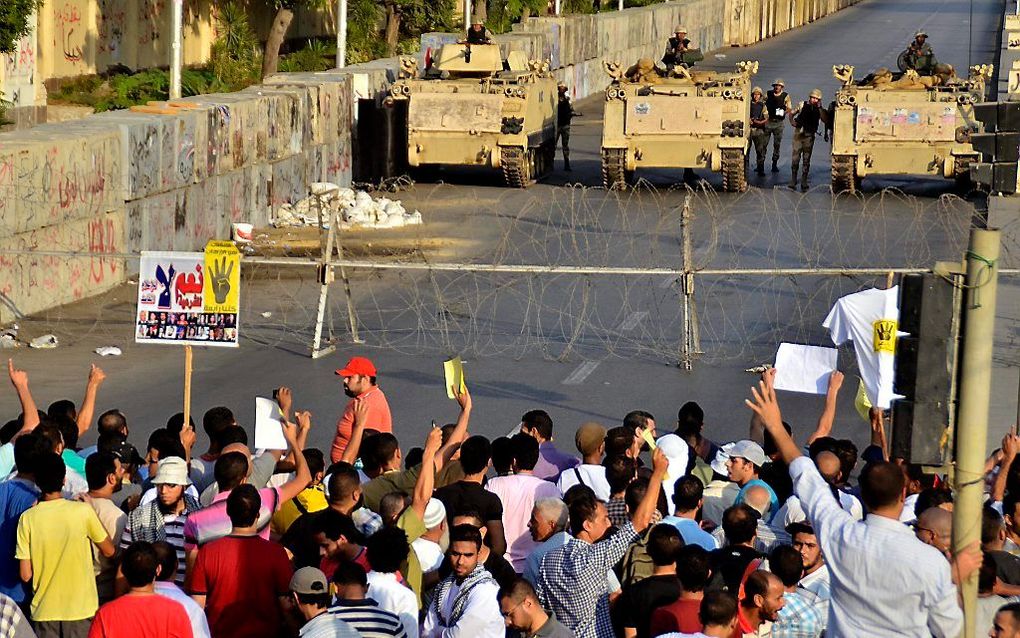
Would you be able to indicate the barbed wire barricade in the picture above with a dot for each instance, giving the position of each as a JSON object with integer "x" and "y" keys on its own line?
{"x": 569, "y": 273}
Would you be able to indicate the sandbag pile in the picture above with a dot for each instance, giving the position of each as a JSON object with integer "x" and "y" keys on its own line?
{"x": 357, "y": 208}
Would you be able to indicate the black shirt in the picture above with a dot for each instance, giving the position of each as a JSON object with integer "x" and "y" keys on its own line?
{"x": 300, "y": 540}
{"x": 564, "y": 111}
{"x": 637, "y": 602}
{"x": 465, "y": 496}
{"x": 773, "y": 102}
{"x": 478, "y": 37}
{"x": 1007, "y": 567}
{"x": 728, "y": 566}
{"x": 808, "y": 117}
{"x": 777, "y": 475}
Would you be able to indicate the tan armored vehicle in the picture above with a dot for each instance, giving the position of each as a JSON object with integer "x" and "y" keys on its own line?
{"x": 907, "y": 125}
{"x": 471, "y": 107}
{"x": 686, "y": 119}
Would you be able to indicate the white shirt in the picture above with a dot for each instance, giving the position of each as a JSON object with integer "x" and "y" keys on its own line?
{"x": 326, "y": 625}
{"x": 429, "y": 553}
{"x": 792, "y": 512}
{"x": 885, "y": 582}
{"x": 817, "y": 582}
{"x": 199, "y": 624}
{"x": 909, "y": 503}
{"x": 396, "y": 599}
{"x": 594, "y": 476}
{"x": 481, "y": 619}
{"x": 718, "y": 496}
{"x": 871, "y": 319}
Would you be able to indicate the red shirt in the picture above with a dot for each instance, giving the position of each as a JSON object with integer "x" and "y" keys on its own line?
{"x": 681, "y": 616}
{"x": 141, "y": 616}
{"x": 328, "y": 566}
{"x": 379, "y": 419}
{"x": 242, "y": 578}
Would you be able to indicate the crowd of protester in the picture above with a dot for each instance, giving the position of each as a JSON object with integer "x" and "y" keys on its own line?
{"x": 650, "y": 530}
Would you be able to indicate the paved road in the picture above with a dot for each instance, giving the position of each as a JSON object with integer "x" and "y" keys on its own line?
{"x": 581, "y": 347}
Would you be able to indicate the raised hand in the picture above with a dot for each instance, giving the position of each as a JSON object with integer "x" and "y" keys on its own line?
{"x": 19, "y": 378}
{"x": 96, "y": 375}
{"x": 285, "y": 399}
{"x": 304, "y": 420}
{"x": 434, "y": 441}
{"x": 463, "y": 398}
{"x": 221, "y": 272}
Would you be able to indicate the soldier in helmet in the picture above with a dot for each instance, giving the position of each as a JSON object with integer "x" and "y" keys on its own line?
{"x": 564, "y": 113}
{"x": 805, "y": 119}
{"x": 919, "y": 55}
{"x": 759, "y": 119}
{"x": 478, "y": 34}
{"x": 777, "y": 105}
{"x": 676, "y": 47}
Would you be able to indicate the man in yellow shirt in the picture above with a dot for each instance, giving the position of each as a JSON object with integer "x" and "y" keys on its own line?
{"x": 310, "y": 499}
{"x": 54, "y": 551}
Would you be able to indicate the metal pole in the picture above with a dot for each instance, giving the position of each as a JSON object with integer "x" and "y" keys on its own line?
{"x": 341, "y": 34}
{"x": 177, "y": 26}
{"x": 467, "y": 15}
{"x": 620, "y": 6}
{"x": 691, "y": 341}
{"x": 975, "y": 389}
{"x": 557, "y": 7}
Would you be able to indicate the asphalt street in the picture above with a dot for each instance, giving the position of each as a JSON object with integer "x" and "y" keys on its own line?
{"x": 581, "y": 347}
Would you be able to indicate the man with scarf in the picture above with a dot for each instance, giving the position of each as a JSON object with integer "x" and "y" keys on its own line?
{"x": 163, "y": 519}
{"x": 466, "y": 602}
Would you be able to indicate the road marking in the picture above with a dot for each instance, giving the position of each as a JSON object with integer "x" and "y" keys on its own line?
{"x": 632, "y": 320}
{"x": 668, "y": 282}
{"x": 581, "y": 373}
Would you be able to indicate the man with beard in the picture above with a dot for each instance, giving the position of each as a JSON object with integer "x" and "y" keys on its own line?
{"x": 103, "y": 471}
{"x": 465, "y": 602}
{"x": 163, "y": 519}
{"x": 359, "y": 377}
{"x": 759, "y": 608}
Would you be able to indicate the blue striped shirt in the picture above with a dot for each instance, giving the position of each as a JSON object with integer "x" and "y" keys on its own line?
{"x": 368, "y": 618}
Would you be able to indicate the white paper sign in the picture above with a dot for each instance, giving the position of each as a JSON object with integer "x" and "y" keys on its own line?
{"x": 268, "y": 431}
{"x": 801, "y": 368}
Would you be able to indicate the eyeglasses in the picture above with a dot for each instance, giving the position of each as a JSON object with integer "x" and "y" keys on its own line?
{"x": 507, "y": 614}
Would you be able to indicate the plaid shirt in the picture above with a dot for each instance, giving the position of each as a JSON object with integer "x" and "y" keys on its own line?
{"x": 617, "y": 510}
{"x": 768, "y": 537}
{"x": 800, "y": 617}
{"x": 12, "y": 621}
{"x": 572, "y": 582}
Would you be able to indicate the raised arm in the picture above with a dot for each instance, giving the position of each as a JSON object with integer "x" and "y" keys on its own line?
{"x": 828, "y": 416}
{"x": 643, "y": 514}
{"x": 302, "y": 477}
{"x": 766, "y": 407}
{"x": 19, "y": 379}
{"x": 426, "y": 482}
{"x": 878, "y": 438}
{"x": 460, "y": 430}
{"x": 357, "y": 432}
{"x": 1010, "y": 447}
{"x": 88, "y": 404}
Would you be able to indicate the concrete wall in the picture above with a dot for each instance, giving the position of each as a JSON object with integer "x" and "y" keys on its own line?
{"x": 172, "y": 176}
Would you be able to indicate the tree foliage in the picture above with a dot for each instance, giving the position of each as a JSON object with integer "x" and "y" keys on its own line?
{"x": 14, "y": 15}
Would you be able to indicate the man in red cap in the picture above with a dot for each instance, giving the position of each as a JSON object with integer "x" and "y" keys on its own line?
{"x": 359, "y": 377}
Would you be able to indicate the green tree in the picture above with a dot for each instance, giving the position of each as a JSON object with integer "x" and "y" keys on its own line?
{"x": 278, "y": 31}
{"x": 14, "y": 15}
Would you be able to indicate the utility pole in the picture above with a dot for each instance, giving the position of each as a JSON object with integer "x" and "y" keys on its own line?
{"x": 467, "y": 15}
{"x": 177, "y": 26}
{"x": 341, "y": 34}
{"x": 975, "y": 389}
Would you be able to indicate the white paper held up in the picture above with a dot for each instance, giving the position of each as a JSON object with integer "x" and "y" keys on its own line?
{"x": 801, "y": 368}
{"x": 268, "y": 431}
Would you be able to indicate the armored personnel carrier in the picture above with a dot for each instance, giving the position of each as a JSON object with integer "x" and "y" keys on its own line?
{"x": 904, "y": 124}
{"x": 687, "y": 118}
{"x": 470, "y": 107}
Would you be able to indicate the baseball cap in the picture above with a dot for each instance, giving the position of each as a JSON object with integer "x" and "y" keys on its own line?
{"x": 723, "y": 455}
{"x": 589, "y": 437}
{"x": 358, "y": 365}
{"x": 435, "y": 513}
{"x": 749, "y": 450}
{"x": 173, "y": 471}
{"x": 309, "y": 580}
{"x": 126, "y": 452}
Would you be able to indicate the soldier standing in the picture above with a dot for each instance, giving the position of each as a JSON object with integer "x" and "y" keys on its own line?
{"x": 676, "y": 47}
{"x": 919, "y": 55}
{"x": 777, "y": 104}
{"x": 478, "y": 34}
{"x": 759, "y": 118}
{"x": 564, "y": 113}
{"x": 805, "y": 119}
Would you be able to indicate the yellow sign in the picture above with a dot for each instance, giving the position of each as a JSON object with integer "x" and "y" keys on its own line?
{"x": 862, "y": 402}
{"x": 222, "y": 277}
{"x": 885, "y": 335}
{"x": 453, "y": 369}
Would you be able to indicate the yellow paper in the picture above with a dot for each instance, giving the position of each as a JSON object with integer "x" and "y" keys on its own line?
{"x": 862, "y": 403}
{"x": 454, "y": 372}
{"x": 222, "y": 277}
{"x": 884, "y": 337}
{"x": 646, "y": 435}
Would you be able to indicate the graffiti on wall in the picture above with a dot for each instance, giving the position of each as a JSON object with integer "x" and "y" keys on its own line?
{"x": 19, "y": 71}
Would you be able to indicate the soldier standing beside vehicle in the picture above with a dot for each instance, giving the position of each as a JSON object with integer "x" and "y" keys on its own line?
{"x": 805, "y": 120}
{"x": 676, "y": 47}
{"x": 759, "y": 118}
{"x": 777, "y": 104}
{"x": 564, "y": 113}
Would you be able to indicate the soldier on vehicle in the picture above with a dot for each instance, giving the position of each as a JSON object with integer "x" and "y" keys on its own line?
{"x": 918, "y": 55}
{"x": 679, "y": 50}
{"x": 777, "y": 105}
{"x": 478, "y": 34}
{"x": 759, "y": 119}
{"x": 805, "y": 119}
{"x": 564, "y": 113}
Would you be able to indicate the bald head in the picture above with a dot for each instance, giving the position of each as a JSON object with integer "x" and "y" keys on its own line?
{"x": 828, "y": 466}
{"x": 758, "y": 497}
{"x": 935, "y": 527}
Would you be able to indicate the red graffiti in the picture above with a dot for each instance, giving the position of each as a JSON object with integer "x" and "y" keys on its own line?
{"x": 102, "y": 239}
